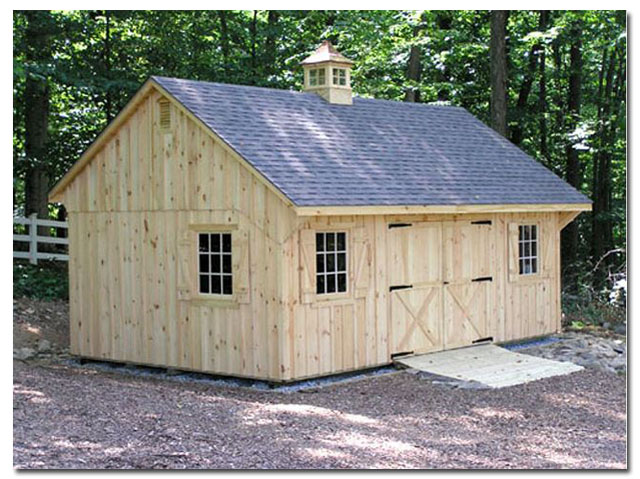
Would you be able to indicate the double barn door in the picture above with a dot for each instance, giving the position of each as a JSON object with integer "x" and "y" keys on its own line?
{"x": 440, "y": 284}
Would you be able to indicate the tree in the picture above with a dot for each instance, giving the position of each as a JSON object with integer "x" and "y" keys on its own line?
{"x": 563, "y": 101}
{"x": 498, "y": 56}
{"x": 611, "y": 93}
{"x": 414, "y": 66}
{"x": 574, "y": 169}
{"x": 542, "y": 93}
{"x": 521, "y": 108}
{"x": 38, "y": 57}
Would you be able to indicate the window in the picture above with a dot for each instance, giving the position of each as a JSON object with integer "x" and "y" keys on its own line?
{"x": 214, "y": 263}
{"x": 331, "y": 262}
{"x": 339, "y": 76}
{"x": 528, "y": 249}
{"x": 316, "y": 77}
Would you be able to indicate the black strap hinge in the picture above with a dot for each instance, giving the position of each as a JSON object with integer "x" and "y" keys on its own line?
{"x": 400, "y": 286}
{"x": 483, "y": 340}
{"x": 483, "y": 278}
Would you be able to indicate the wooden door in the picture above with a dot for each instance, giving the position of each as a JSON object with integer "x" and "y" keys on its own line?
{"x": 467, "y": 281}
{"x": 415, "y": 287}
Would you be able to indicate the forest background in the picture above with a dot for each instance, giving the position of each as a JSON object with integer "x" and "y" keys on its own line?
{"x": 552, "y": 82}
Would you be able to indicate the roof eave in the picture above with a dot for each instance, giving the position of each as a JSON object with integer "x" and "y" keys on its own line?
{"x": 439, "y": 209}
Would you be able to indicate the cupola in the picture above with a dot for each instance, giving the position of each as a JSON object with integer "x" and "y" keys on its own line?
{"x": 328, "y": 73}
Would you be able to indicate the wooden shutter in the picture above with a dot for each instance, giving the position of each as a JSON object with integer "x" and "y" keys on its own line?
{"x": 361, "y": 263}
{"x": 307, "y": 266}
{"x": 546, "y": 252}
{"x": 186, "y": 270}
{"x": 241, "y": 265}
{"x": 514, "y": 269}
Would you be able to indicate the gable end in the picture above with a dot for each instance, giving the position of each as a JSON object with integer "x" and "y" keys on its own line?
{"x": 165, "y": 123}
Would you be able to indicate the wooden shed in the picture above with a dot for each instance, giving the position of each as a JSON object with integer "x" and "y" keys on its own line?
{"x": 282, "y": 235}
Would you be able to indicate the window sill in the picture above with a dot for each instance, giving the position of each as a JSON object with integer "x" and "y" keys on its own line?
{"x": 321, "y": 300}
{"x": 530, "y": 278}
{"x": 214, "y": 301}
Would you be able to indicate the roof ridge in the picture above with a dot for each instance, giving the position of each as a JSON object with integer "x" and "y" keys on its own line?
{"x": 238, "y": 85}
{"x": 304, "y": 93}
{"x": 431, "y": 105}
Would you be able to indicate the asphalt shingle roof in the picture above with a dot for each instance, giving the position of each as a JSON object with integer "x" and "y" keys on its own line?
{"x": 374, "y": 152}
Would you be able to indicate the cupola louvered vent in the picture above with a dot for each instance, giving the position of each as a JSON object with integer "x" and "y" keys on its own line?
{"x": 165, "y": 115}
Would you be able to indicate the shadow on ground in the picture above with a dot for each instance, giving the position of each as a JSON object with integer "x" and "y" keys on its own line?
{"x": 72, "y": 417}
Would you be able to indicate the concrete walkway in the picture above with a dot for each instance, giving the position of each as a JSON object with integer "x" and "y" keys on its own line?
{"x": 488, "y": 364}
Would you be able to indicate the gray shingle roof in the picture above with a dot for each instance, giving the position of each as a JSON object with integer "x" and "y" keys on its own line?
{"x": 374, "y": 152}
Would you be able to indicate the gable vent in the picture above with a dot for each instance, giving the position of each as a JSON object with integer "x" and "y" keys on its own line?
{"x": 165, "y": 114}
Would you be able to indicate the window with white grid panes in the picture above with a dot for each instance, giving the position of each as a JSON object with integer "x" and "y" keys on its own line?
{"x": 316, "y": 77}
{"x": 214, "y": 264}
{"x": 331, "y": 262}
{"x": 339, "y": 76}
{"x": 528, "y": 249}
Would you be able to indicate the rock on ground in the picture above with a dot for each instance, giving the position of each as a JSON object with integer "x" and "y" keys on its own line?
{"x": 24, "y": 353}
{"x": 590, "y": 351}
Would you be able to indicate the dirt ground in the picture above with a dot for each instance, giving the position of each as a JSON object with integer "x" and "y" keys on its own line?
{"x": 35, "y": 320}
{"x": 72, "y": 416}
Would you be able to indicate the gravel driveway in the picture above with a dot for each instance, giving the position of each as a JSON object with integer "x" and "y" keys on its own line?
{"x": 77, "y": 417}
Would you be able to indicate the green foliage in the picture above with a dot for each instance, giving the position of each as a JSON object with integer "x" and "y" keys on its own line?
{"x": 595, "y": 301}
{"x": 583, "y": 311}
{"x": 100, "y": 58}
{"x": 47, "y": 280}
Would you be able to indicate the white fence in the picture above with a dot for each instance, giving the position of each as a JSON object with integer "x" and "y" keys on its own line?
{"x": 33, "y": 239}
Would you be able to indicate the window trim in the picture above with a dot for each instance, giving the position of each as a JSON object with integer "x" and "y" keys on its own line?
{"x": 335, "y": 294}
{"x": 315, "y": 74}
{"x": 209, "y": 299}
{"x": 530, "y": 257}
{"x": 336, "y": 76}
{"x": 221, "y": 273}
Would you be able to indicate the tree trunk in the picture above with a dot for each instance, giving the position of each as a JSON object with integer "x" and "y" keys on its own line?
{"x": 523, "y": 96}
{"x": 557, "y": 90}
{"x": 596, "y": 156}
{"x": 412, "y": 93}
{"x": 612, "y": 94}
{"x": 600, "y": 193}
{"x": 62, "y": 216}
{"x": 36, "y": 101}
{"x": 525, "y": 88}
{"x": 270, "y": 43}
{"x": 414, "y": 66}
{"x": 574, "y": 170}
{"x": 498, "y": 56}
{"x": 542, "y": 94}
{"x": 108, "y": 101}
{"x": 224, "y": 37}
{"x": 443, "y": 22}
{"x": 254, "y": 40}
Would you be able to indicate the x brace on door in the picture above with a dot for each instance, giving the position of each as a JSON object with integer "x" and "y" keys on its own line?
{"x": 416, "y": 317}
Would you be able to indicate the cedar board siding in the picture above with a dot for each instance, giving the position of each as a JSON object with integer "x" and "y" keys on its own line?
{"x": 134, "y": 213}
{"x": 358, "y": 330}
{"x": 132, "y": 252}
